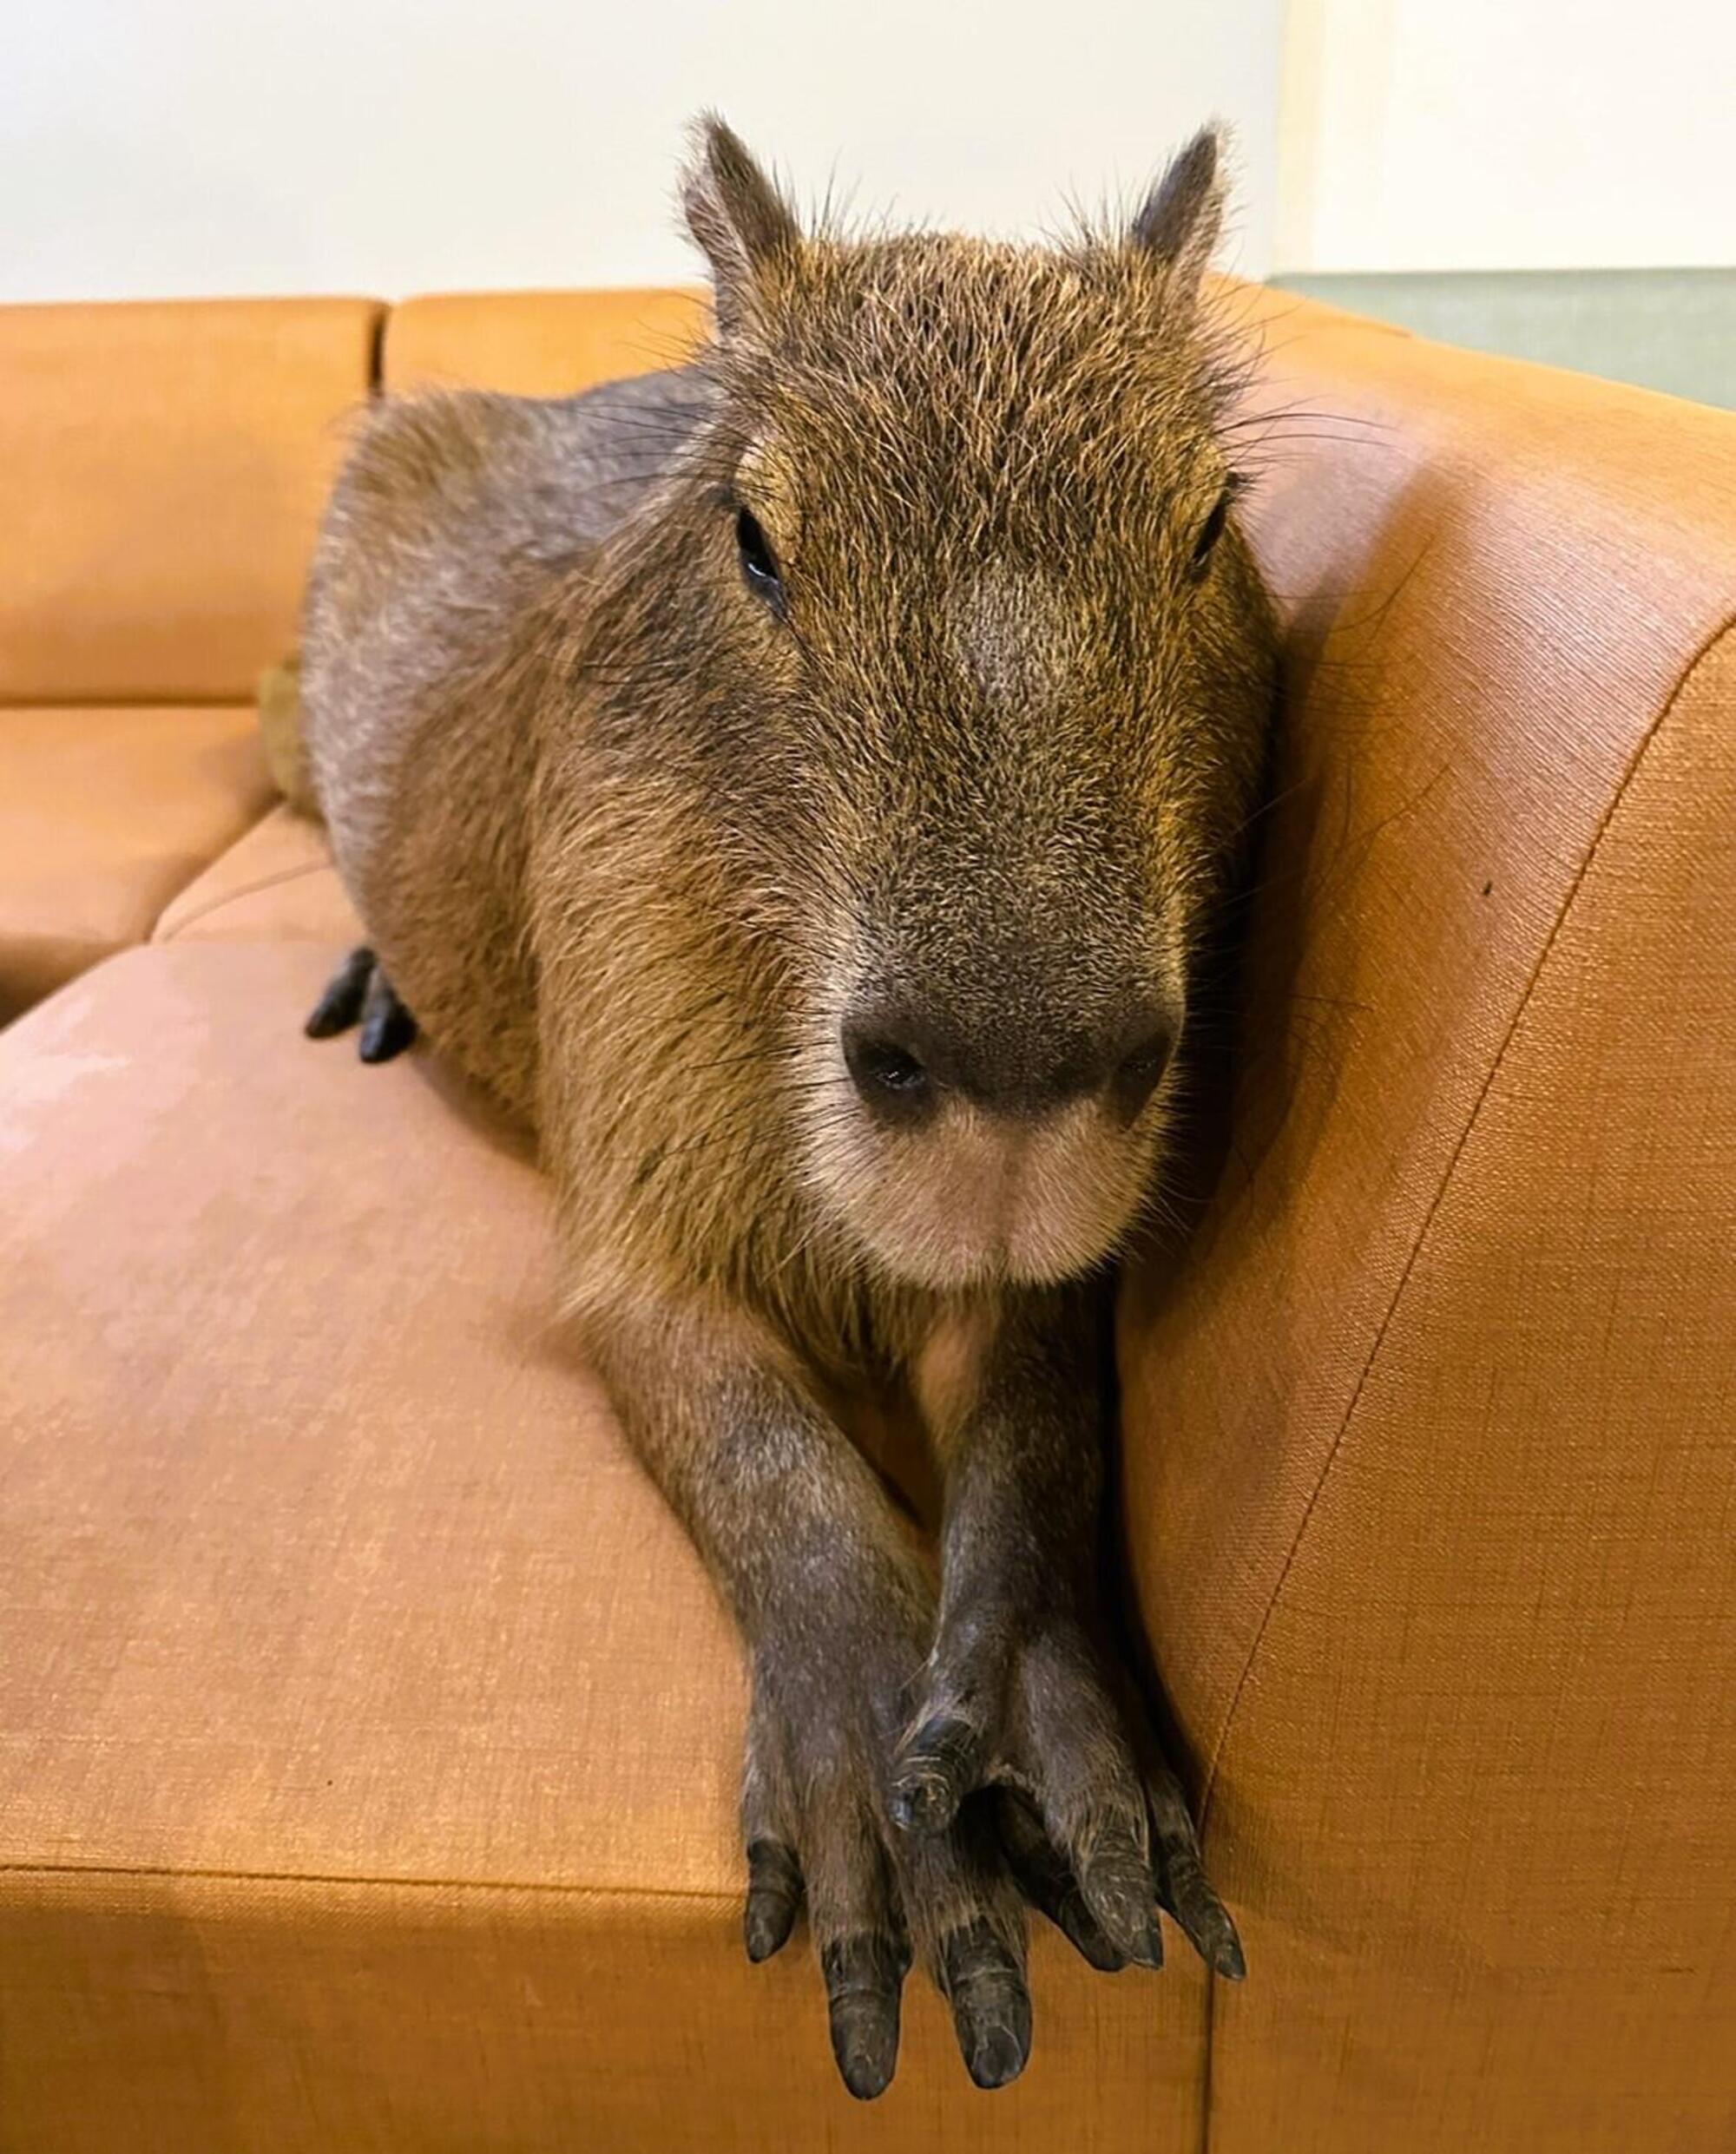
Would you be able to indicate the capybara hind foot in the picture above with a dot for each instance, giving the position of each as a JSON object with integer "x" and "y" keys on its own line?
{"x": 358, "y": 992}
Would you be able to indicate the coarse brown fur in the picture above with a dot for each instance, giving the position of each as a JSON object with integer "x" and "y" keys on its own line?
{"x": 646, "y": 838}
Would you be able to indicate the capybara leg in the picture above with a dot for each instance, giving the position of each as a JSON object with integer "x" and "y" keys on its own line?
{"x": 1022, "y": 1691}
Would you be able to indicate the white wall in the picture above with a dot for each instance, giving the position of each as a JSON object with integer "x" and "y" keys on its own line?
{"x": 170, "y": 147}
{"x": 1507, "y": 135}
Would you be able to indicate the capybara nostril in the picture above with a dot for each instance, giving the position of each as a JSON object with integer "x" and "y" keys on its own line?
{"x": 889, "y": 1075}
{"x": 1140, "y": 1070}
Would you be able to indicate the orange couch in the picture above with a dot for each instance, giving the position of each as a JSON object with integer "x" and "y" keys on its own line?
{"x": 368, "y": 1731}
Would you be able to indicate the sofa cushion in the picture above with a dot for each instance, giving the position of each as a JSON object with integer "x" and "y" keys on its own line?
{"x": 279, "y": 879}
{"x": 369, "y": 1731}
{"x": 104, "y": 815}
{"x": 165, "y": 468}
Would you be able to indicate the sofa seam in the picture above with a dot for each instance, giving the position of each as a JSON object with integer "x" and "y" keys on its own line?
{"x": 1208, "y": 2057}
{"x": 142, "y": 699}
{"x": 221, "y": 1874}
{"x": 1724, "y": 626}
{"x": 234, "y": 897}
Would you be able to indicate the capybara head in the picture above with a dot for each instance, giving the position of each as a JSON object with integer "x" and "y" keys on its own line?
{"x": 972, "y": 676}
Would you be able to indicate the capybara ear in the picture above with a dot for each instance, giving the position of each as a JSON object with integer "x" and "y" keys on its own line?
{"x": 743, "y": 225}
{"x": 1180, "y": 220}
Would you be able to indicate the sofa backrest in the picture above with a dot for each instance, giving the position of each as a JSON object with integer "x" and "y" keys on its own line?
{"x": 537, "y": 344}
{"x": 165, "y": 465}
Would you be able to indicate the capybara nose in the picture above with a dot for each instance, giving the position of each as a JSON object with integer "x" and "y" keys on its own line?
{"x": 904, "y": 1063}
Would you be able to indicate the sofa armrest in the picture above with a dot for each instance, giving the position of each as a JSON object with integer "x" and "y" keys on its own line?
{"x": 1430, "y": 1445}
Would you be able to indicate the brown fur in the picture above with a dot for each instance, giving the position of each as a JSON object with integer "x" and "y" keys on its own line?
{"x": 637, "y": 847}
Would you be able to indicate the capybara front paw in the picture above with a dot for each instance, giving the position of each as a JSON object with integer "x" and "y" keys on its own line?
{"x": 818, "y": 1831}
{"x": 1093, "y": 1820}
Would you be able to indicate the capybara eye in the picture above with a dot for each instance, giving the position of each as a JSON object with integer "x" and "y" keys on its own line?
{"x": 1210, "y": 532}
{"x": 759, "y": 562}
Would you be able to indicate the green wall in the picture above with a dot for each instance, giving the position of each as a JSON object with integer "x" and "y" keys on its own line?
{"x": 1668, "y": 329}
